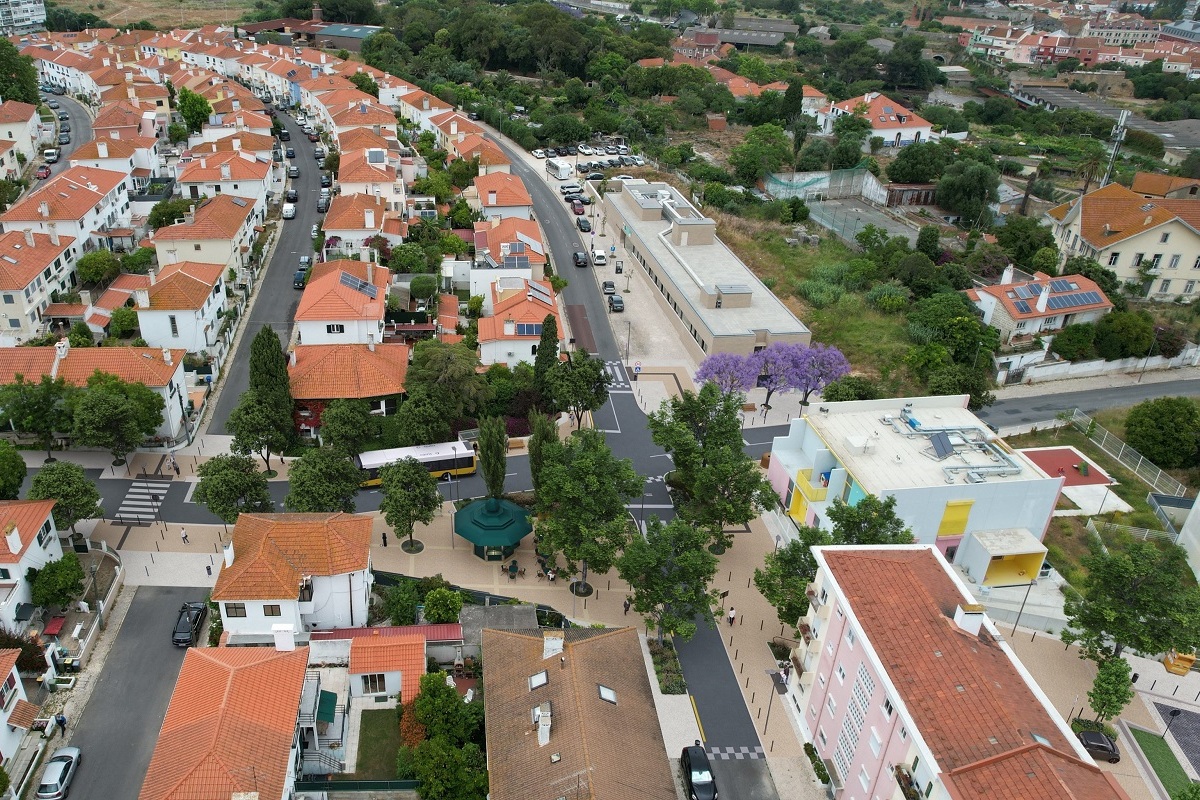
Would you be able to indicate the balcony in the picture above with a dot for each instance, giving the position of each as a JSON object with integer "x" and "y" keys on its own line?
{"x": 810, "y": 631}
{"x": 908, "y": 784}
{"x": 814, "y": 596}
{"x": 305, "y": 600}
{"x": 812, "y": 493}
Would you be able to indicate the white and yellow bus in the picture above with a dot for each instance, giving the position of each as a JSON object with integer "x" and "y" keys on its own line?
{"x": 443, "y": 460}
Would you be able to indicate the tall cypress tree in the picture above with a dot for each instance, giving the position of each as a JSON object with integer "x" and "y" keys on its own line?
{"x": 268, "y": 369}
{"x": 547, "y": 357}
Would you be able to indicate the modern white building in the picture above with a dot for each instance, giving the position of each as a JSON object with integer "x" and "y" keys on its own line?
{"x": 85, "y": 203}
{"x": 220, "y": 230}
{"x": 20, "y": 123}
{"x": 286, "y": 574}
{"x": 951, "y": 476}
{"x": 19, "y": 17}
{"x": 907, "y": 690}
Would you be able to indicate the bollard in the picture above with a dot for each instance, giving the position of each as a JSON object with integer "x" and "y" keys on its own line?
{"x": 147, "y": 570}
{"x": 735, "y": 654}
{"x": 731, "y": 640}
{"x": 208, "y": 569}
{"x": 761, "y": 622}
{"x": 759, "y": 714}
{"x": 741, "y": 668}
{"x": 731, "y": 576}
{"x": 747, "y": 583}
{"x": 747, "y": 682}
{"x": 772, "y": 750}
{"x": 752, "y": 696}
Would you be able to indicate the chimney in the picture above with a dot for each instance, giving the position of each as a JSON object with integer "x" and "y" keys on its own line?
{"x": 190, "y": 217}
{"x": 44, "y": 209}
{"x": 29, "y": 236}
{"x": 53, "y": 228}
{"x": 131, "y": 92}
{"x": 61, "y": 348}
{"x": 141, "y": 297}
{"x": 13, "y": 537}
{"x": 1043, "y": 298}
{"x": 543, "y": 715}
{"x": 316, "y": 12}
{"x": 85, "y": 296}
{"x": 1007, "y": 276}
{"x": 371, "y": 342}
{"x": 292, "y": 357}
{"x": 552, "y": 643}
{"x": 491, "y": 197}
{"x": 226, "y": 175}
{"x": 101, "y": 148}
{"x": 237, "y": 143}
{"x": 369, "y": 218}
{"x": 203, "y": 162}
{"x": 227, "y": 552}
{"x": 969, "y": 617}
{"x": 166, "y": 351}
{"x": 510, "y": 327}
{"x": 453, "y": 127}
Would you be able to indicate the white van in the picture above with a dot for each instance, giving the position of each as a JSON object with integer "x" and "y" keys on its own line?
{"x": 599, "y": 258}
{"x": 289, "y": 210}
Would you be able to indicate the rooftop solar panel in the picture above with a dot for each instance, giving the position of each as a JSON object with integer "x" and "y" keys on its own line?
{"x": 539, "y": 292}
{"x": 358, "y": 285}
{"x": 1062, "y": 286}
{"x": 1022, "y": 306}
{"x": 941, "y": 445}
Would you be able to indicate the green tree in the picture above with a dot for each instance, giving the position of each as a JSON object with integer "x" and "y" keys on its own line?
{"x": 269, "y": 374}
{"x": 579, "y": 384}
{"x": 400, "y": 603}
{"x": 80, "y": 335}
{"x": 76, "y": 496}
{"x": 1022, "y": 237}
{"x": 410, "y": 495}
{"x": 124, "y": 320}
{"x": 322, "y": 480}
{"x": 493, "y": 454}
{"x": 441, "y": 711}
{"x": 543, "y": 433}
{"x": 194, "y": 109}
{"x": 546, "y": 356}
{"x": 671, "y": 573}
{"x": 408, "y": 258}
{"x": 257, "y": 428}
{"x": 462, "y": 171}
{"x": 165, "y": 212}
{"x": 419, "y": 420}
{"x": 1075, "y": 342}
{"x": 59, "y": 582}
{"x": 447, "y": 772}
{"x": 449, "y": 374}
{"x": 18, "y": 76}
{"x": 230, "y": 485}
{"x": 1141, "y": 598}
{"x": 764, "y": 150}
{"x": 177, "y": 132}
{"x": 38, "y": 408}
{"x": 443, "y": 605}
{"x": 851, "y": 387}
{"x": 922, "y": 162}
{"x": 99, "y": 266}
{"x": 584, "y": 489}
{"x": 929, "y": 241}
{"x": 347, "y": 425}
{"x": 967, "y": 188}
{"x": 12, "y": 471}
{"x": 116, "y": 415}
{"x": 1165, "y": 430}
{"x": 365, "y": 83}
{"x": 1112, "y": 689}
{"x": 785, "y": 574}
{"x": 869, "y": 521}
{"x": 1122, "y": 334}
{"x": 423, "y": 287}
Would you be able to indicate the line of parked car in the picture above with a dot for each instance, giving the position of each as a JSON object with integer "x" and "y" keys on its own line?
{"x": 607, "y": 156}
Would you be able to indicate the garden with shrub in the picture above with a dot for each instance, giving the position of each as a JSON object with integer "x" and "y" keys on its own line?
{"x": 667, "y": 668}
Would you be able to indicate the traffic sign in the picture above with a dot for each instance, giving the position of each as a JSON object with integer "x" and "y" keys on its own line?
{"x": 637, "y": 363}
{"x": 637, "y": 369}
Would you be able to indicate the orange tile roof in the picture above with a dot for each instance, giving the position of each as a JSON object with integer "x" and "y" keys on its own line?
{"x": 273, "y": 552}
{"x": 348, "y": 371}
{"x": 448, "y": 311}
{"x": 517, "y": 307}
{"x": 356, "y": 168}
{"x": 208, "y": 168}
{"x": 1006, "y": 294}
{"x": 417, "y": 99}
{"x": 882, "y": 112}
{"x": 184, "y": 285}
{"x": 509, "y": 190}
{"x": 68, "y": 196}
{"x": 811, "y": 91}
{"x": 8, "y": 660}
{"x": 249, "y": 141}
{"x": 497, "y": 233}
{"x": 1159, "y": 185}
{"x": 21, "y": 263}
{"x": 1113, "y": 213}
{"x": 1033, "y": 772}
{"x": 141, "y": 364}
{"x": 12, "y": 111}
{"x": 121, "y": 114}
{"x": 28, "y": 516}
{"x": 23, "y": 713}
{"x": 117, "y": 148}
{"x": 347, "y": 212}
{"x": 327, "y": 298}
{"x": 363, "y": 115}
{"x": 381, "y": 654}
{"x": 230, "y": 725}
{"x": 65, "y": 310}
{"x": 218, "y": 218}
{"x": 973, "y": 708}
{"x": 360, "y": 139}
{"x": 488, "y": 153}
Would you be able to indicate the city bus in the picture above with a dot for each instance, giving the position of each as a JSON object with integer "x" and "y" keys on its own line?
{"x": 443, "y": 460}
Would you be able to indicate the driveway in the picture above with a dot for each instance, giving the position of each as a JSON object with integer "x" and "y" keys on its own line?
{"x": 276, "y": 301}
{"x": 120, "y": 724}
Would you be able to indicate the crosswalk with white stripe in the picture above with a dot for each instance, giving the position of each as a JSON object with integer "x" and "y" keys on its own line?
{"x": 141, "y": 502}
{"x": 620, "y": 378}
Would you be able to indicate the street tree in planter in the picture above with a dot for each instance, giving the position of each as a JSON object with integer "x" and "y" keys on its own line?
{"x": 410, "y": 495}
{"x": 785, "y": 574}
{"x": 817, "y": 366}
{"x": 581, "y": 503}
{"x": 59, "y": 582}
{"x": 38, "y": 408}
{"x": 777, "y": 368}
{"x": 323, "y": 481}
{"x": 12, "y": 471}
{"x": 671, "y": 573}
{"x": 231, "y": 485}
{"x": 75, "y": 495}
{"x": 578, "y": 385}
{"x": 258, "y": 428}
{"x": 731, "y": 372}
{"x": 347, "y": 425}
{"x": 115, "y": 415}
{"x": 493, "y": 454}
{"x": 1112, "y": 689}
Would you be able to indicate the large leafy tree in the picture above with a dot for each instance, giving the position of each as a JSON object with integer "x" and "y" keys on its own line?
{"x": 764, "y": 150}
{"x": 733, "y": 373}
{"x": 230, "y": 485}
{"x": 579, "y": 384}
{"x": 785, "y": 574}
{"x": 419, "y": 420}
{"x": 493, "y": 454}
{"x": 99, "y": 266}
{"x": 75, "y": 495}
{"x": 18, "y": 76}
{"x": 38, "y": 408}
{"x": 257, "y": 428}
{"x": 59, "y": 582}
{"x": 671, "y": 572}
{"x": 1112, "y": 688}
{"x": 12, "y": 471}
{"x": 581, "y": 503}
{"x": 1140, "y": 598}
{"x": 347, "y": 425}
{"x": 922, "y": 162}
{"x": 440, "y": 709}
{"x": 269, "y": 374}
{"x": 323, "y": 480}
{"x": 365, "y": 83}
{"x": 116, "y": 415}
{"x": 448, "y": 374}
{"x": 1165, "y": 430}
{"x": 165, "y": 212}
{"x": 1022, "y": 237}
{"x": 410, "y": 495}
{"x": 817, "y": 367}
{"x": 194, "y": 109}
{"x": 967, "y": 187}
{"x": 447, "y": 772}
{"x": 777, "y": 367}
{"x": 869, "y": 521}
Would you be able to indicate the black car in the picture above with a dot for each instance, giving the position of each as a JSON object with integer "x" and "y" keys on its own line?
{"x": 64, "y": 138}
{"x": 292, "y": 196}
{"x": 189, "y": 624}
{"x": 326, "y": 181}
{"x": 322, "y": 205}
{"x": 298, "y": 278}
{"x": 1100, "y": 746}
{"x": 583, "y": 225}
{"x": 596, "y": 176}
{"x": 572, "y": 198}
{"x": 579, "y": 259}
{"x": 616, "y": 303}
{"x": 697, "y": 773}
{"x": 284, "y": 136}
{"x": 65, "y": 127}
{"x": 291, "y": 152}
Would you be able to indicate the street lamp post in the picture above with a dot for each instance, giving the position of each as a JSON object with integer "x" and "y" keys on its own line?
{"x": 1021, "y": 610}
{"x": 1173, "y": 713}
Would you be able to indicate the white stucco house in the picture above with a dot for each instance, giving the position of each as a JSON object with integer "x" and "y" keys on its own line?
{"x": 292, "y": 573}
{"x": 343, "y": 303}
{"x": 180, "y": 307}
{"x": 30, "y": 542}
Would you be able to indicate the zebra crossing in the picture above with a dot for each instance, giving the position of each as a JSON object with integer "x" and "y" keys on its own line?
{"x": 620, "y": 378}
{"x": 141, "y": 502}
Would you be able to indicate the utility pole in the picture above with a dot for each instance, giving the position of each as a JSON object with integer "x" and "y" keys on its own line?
{"x": 1118, "y": 136}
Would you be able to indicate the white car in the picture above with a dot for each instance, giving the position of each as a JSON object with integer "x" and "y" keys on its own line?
{"x": 315, "y": 231}
{"x": 289, "y": 210}
{"x": 585, "y": 150}
{"x": 538, "y": 154}
{"x": 622, "y": 177}
{"x": 639, "y": 161}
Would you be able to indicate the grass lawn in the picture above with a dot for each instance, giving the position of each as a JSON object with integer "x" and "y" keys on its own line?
{"x": 378, "y": 743}
{"x": 1163, "y": 761}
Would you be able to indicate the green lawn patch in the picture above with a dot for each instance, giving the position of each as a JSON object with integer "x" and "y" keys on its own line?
{"x": 1162, "y": 761}
{"x": 378, "y": 743}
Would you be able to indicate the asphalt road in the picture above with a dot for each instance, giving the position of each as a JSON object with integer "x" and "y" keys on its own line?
{"x": 1042, "y": 408}
{"x": 120, "y": 726}
{"x": 81, "y": 132}
{"x": 277, "y": 300}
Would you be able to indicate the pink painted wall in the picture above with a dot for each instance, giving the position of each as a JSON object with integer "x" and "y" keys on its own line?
{"x": 778, "y": 476}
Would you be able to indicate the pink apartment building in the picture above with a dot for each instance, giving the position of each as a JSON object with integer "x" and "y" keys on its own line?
{"x": 907, "y": 690}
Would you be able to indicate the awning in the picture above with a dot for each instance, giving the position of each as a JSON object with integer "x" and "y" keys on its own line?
{"x": 326, "y": 706}
{"x": 24, "y": 612}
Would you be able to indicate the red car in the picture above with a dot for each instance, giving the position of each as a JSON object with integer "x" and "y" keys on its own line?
{"x": 312, "y": 137}
{"x": 578, "y": 209}
{"x": 43, "y": 172}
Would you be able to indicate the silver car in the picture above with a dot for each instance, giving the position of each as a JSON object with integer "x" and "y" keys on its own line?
{"x": 60, "y": 771}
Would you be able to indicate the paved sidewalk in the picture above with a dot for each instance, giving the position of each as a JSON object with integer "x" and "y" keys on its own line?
{"x": 1097, "y": 382}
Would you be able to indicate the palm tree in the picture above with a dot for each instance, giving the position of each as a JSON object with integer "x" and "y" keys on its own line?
{"x": 1089, "y": 168}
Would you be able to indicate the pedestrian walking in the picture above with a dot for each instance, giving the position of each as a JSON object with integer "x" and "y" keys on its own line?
{"x": 183, "y": 535}
{"x": 732, "y": 614}
{"x": 627, "y": 604}
{"x": 61, "y": 722}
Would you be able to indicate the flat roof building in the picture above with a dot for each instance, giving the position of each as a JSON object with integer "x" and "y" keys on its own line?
{"x": 720, "y": 305}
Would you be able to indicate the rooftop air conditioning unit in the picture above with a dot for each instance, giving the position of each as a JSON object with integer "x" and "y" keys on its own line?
{"x": 975, "y": 477}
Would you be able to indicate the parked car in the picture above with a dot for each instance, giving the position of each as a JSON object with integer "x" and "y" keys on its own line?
{"x": 584, "y": 150}
{"x": 322, "y": 205}
{"x": 577, "y": 209}
{"x": 298, "y": 279}
{"x": 608, "y": 287}
{"x": 538, "y": 153}
{"x": 639, "y": 161}
{"x": 583, "y": 225}
{"x": 53, "y": 104}
{"x": 59, "y": 772}
{"x": 42, "y": 173}
{"x": 1100, "y": 746}
{"x": 57, "y": 90}
{"x": 285, "y": 136}
{"x": 616, "y": 304}
{"x": 611, "y": 149}
{"x": 318, "y": 152}
{"x": 63, "y": 115}
{"x": 697, "y": 773}
{"x": 572, "y": 198}
{"x": 290, "y": 152}
{"x": 326, "y": 181}
{"x": 289, "y": 210}
{"x": 579, "y": 259}
{"x": 189, "y": 623}
{"x": 293, "y": 172}
{"x": 320, "y": 163}
{"x": 627, "y": 161}
{"x": 312, "y": 137}
{"x": 624, "y": 177}
{"x": 292, "y": 196}
{"x": 64, "y": 138}
{"x": 51, "y": 155}
{"x": 596, "y": 176}
{"x": 316, "y": 231}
